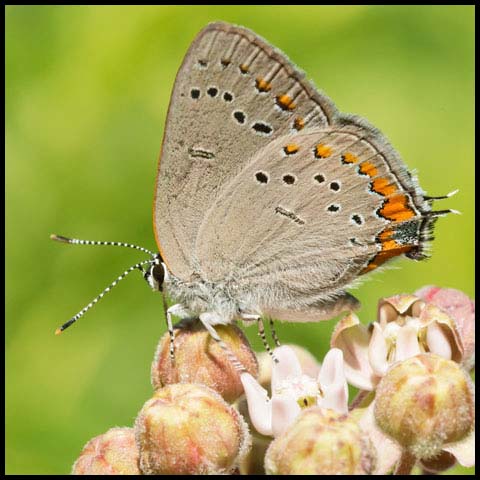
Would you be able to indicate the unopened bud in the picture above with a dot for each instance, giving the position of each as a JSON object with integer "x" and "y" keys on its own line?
{"x": 188, "y": 429}
{"x": 321, "y": 442}
{"x": 112, "y": 453}
{"x": 424, "y": 403}
{"x": 200, "y": 359}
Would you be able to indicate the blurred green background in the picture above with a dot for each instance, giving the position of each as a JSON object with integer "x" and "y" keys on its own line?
{"x": 87, "y": 91}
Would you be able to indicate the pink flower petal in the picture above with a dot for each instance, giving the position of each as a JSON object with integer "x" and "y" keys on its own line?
{"x": 462, "y": 309}
{"x": 464, "y": 450}
{"x": 433, "y": 314}
{"x": 388, "y": 452}
{"x": 437, "y": 341}
{"x": 287, "y": 366}
{"x": 284, "y": 411}
{"x": 407, "y": 343}
{"x": 333, "y": 382}
{"x": 389, "y": 308}
{"x": 352, "y": 338}
{"x": 259, "y": 405}
{"x": 335, "y": 396}
{"x": 377, "y": 351}
{"x": 386, "y": 312}
{"x": 427, "y": 293}
{"x": 332, "y": 368}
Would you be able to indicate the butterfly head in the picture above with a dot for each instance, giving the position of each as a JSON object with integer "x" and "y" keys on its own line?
{"x": 157, "y": 274}
{"x": 154, "y": 271}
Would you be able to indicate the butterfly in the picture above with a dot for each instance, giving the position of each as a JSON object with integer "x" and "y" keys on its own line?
{"x": 269, "y": 202}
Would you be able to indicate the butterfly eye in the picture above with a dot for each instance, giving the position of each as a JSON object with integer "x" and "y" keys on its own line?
{"x": 158, "y": 274}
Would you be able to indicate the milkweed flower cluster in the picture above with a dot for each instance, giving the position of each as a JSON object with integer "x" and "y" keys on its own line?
{"x": 414, "y": 407}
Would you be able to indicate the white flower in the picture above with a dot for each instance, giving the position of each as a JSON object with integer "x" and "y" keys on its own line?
{"x": 406, "y": 326}
{"x": 292, "y": 390}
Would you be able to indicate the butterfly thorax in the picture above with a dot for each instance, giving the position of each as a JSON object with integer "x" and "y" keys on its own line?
{"x": 200, "y": 296}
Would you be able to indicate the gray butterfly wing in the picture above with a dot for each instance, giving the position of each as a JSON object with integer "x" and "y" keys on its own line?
{"x": 233, "y": 95}
{"x": 324, "y": 309}
{"x": 307, "y": 215}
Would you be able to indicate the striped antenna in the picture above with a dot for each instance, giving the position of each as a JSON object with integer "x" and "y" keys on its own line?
{"x": 77, "y": 241}
{"x": 82, "y": 312}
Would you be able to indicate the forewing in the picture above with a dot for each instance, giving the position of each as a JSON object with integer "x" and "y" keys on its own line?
{"x": 233, "y": 95}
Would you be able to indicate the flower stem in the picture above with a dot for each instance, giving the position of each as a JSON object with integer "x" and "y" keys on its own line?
{"x": 361, "y": 396}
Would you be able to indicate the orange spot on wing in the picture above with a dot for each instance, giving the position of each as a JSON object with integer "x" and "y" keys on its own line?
{"x": 262, "y": 85}
{"x": 299, "y": 123}
{"x": 390, "y": 249}
{"x": 285, "y": 102}
{"x": 386, "y": 235}
{"x": 349, "y": 158}
{"x": 368, "y": 168}
{"x": 290, "y": 149}
{"x": 396, "y": 208}
{"x": 323, "y": 151}
{"x": 383, "y": 186}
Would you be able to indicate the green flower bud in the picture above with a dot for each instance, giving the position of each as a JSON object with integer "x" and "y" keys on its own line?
{"x": 321, "y": 442}
{"x": 188, "y": 429}
{"x": 200, "y": 359}
{"x": 112, "y": 453}
{"x": 425, "y": 402}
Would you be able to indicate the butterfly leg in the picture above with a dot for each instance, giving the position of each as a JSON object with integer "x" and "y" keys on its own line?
{"x": 261, "y": 332}
{"x": 274, "y": 333}
{"x": 179, "y": 311}
{"x": 208, "y": 321}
